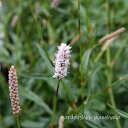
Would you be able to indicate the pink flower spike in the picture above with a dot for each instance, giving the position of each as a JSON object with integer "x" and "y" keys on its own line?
{"x": 13, "y": 89}
{"x": 62, "y": 61}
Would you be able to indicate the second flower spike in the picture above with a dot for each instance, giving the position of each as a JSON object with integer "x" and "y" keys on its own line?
{"x": 13, "y": 89}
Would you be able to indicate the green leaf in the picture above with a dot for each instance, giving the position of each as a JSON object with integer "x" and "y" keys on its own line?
{"x": 35, "y": 98}
{"x": 44, "y": 54}
{"x": 120, "y": 112}
{"x": 47, "y": 78}
{"x": 51, "y": 33}
{"x": 33, "y": 124}
{"x": 101, "y": 106}
{"x": 93, "y": 124}
{"x": 35, "y": 76}
{"x": 85, "y": 60}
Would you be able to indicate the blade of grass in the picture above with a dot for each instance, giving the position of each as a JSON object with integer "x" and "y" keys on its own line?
{"x": 35, "y": 76}
{"x": 35, "y": 98}
{"x": 120, "y": 112}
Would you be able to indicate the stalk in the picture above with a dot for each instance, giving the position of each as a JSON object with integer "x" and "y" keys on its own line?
{"x": 57, "y": 88}
{"x": 17, "y": 121}
{"x": 54, "y": 106}
{"x": 110, "y": 91}
{"x": 109, "y": 64}
{"x": 79, "y": 33}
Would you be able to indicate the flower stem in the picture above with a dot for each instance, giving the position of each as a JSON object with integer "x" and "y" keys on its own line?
{"x": 17, "y": 121}
{"x": 54, "y": 106}
{"x": 57, "y": 88}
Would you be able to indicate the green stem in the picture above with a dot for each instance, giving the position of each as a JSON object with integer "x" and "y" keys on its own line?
{"x": 54, "y": 109}
{"x": 17, "y": 121}
{"x": 57, "y": 88}
{"x": 108, "y": 57}
{"x": 79, "y": 32}
{"x": 109, "y": 83}
{"x": 108, "y": 15}
{"x": 78, "y": 11}
{"x": 55, "y": 104}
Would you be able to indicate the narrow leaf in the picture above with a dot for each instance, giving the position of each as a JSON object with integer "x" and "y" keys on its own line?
{"x": 33, "y": 124}
{"x": 120, "y": 112}
{"x": 35, "y": 98}
{"x": 35, "y": 76}
{"x": 44, "y": 54}
{"x": 85, "y": 60}
{"x": 93, "y": 124}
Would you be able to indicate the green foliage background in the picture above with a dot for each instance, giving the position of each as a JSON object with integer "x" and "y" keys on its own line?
{"x": 32, "y": 41}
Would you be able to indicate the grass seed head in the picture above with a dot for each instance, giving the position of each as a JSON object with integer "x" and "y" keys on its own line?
{"x": 111, "y": 35}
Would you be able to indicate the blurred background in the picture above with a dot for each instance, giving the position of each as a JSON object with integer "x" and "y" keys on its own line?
{"x": 31, "y": 30}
